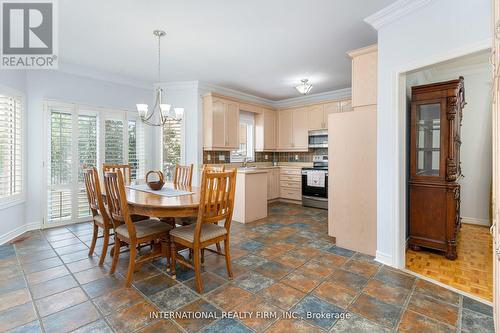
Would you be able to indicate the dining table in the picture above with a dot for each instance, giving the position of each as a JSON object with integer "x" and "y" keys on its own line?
{"x": 149, "y": 203}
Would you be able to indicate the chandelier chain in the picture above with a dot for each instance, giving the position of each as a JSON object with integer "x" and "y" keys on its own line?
{"x": 159, "y": 58}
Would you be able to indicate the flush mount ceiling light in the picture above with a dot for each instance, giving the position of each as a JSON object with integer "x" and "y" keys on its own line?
{"x": 161, "y": 112}
{"x": 305, "y": 87}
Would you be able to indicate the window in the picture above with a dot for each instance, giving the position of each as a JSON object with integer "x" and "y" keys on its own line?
{"x": 11, "y": 147}
{"x": 246, "y": 141}
{"x": 136, "y": 154}
{"x": 81, "y": 137}
{"x": 172, "y": 146}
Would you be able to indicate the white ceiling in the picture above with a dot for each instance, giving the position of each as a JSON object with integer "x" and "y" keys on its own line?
{"x": 261, "y": 47}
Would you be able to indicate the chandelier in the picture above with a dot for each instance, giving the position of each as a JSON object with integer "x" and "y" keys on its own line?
{"x": 160, "y": 112}
{"x": 305, "y": 87}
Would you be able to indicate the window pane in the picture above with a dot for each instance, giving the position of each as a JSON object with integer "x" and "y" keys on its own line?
{"x": 60, "y": 148}
{"x": 171, "y": 146}
{"x": 113, "y": 140}
{"x": 10, "y": 145}
{"x": 428, "y": 139}
{"x": 87, "y": 143}
{"x": 133, "y": 158}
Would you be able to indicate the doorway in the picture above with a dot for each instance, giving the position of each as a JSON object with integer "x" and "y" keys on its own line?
{"x": 472, "y": 271}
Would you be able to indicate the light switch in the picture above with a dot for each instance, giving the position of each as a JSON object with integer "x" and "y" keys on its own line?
{"x": 209, "y": 157}
{"x": 296, "y": 157}
{"x": 266, "y": 157}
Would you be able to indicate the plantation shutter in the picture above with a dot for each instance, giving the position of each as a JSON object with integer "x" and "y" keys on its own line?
{"x": 87, "y": 155}
{"x": 11, "y": 171}
{"x": 172, "y": 137}
{"x": 136, "y": 149}
{"x": 60, "y": 167}
{"x": 113, "y": 141}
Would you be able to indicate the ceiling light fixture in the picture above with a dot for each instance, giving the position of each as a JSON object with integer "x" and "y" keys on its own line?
{"x": 161, "y": 112}
{"x": 305, "y": 87}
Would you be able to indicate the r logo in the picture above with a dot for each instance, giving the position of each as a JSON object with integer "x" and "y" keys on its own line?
{"x": 27, "y": 28}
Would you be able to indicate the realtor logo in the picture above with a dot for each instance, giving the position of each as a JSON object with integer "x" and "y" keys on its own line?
{"x": 28, "y": 34}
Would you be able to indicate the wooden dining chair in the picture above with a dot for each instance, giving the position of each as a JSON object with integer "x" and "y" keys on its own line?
{"x": 125, "y": 169}
{"x": 191, "y": 220}
{"x": 216, "y": 205}
{"x": 100, "y": 217}
{"x": 183, "y": 175}
{"x": 150, "y": 231}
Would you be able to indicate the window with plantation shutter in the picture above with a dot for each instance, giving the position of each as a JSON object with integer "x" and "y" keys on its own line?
{"x": 113, "y": 141}
{"x": 11, "y": 147}
{"x": 80, "y": 137}
{"x": 87, "y": 155}
{"x": 61, "y": 165}
{"x": 136, "y": 153}
{"x": 172, "y": 146}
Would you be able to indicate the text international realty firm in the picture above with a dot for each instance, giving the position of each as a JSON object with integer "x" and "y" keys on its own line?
{"x": 247, "y": 315}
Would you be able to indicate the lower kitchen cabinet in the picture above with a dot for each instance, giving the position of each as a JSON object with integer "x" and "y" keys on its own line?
{"x": 273, "y": 184}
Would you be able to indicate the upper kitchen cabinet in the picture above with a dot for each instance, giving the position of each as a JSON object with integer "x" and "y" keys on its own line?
{"x": 221, "y": 122}
{"x": 285, "y": 129}
{"x": 316, "y": 117}
{"x": 364, "y": 76}
{"x": 293, "y": 129}
{"x": 265, "y": 130}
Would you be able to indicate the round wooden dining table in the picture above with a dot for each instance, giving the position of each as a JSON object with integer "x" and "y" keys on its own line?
{"x": 155, "y": 205}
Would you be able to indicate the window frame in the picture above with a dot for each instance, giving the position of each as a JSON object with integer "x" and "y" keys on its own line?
{"x": 19, "y": 198}
{"x": 247, "y": 118}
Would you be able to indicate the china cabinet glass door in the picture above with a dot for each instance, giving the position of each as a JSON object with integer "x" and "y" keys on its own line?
{"x": 428, "y": 127}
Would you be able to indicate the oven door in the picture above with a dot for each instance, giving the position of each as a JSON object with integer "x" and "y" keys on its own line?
{"x": 314, "y": 191}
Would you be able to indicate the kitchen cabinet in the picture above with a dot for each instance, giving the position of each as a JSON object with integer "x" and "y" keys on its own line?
{"x": 273, "y": 184}
{"x": 291, "y": 183}
{"x": 292, "y": 129}
{"x": 364, "y": 76}
{"x": 285, "y": 129}
{"x": 300, "y": 133}
{"x": 221, "y": 118}
{"x": 316, "y": 117}
{"x": 346, "y": 105}
{"x": 265, "y": 130}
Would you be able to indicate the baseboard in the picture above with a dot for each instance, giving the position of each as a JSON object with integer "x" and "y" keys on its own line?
{"x": 472, "y": 220}
{"x": 19, "y": 231}
{"x": 383, "y": 258}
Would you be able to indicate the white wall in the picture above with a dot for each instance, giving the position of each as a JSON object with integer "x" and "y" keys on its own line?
{"x": 475, "y": 152}
{"x": 440, "y": 30}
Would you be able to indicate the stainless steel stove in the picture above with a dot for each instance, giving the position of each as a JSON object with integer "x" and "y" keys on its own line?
{"x": 315, "y": 183}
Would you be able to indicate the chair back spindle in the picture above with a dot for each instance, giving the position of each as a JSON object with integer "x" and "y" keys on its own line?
{"x": 183, "y": 175}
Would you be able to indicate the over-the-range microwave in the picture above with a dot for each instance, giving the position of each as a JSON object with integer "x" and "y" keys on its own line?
{"x": 318, "y": 139}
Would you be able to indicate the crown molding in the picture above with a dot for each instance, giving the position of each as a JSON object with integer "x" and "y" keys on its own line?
{"x": 209, "y": 87}
{"x": 363, "y": 50}
{"x": 314, "y": 98}
{"x": 102, "y": 76}
{"x": 394, "y": 12}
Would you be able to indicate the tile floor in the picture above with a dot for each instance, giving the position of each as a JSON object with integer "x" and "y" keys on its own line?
{"x": 283, "y": 265}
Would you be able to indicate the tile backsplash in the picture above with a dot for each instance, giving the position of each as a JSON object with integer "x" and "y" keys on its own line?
{"x": 220, "y": 157}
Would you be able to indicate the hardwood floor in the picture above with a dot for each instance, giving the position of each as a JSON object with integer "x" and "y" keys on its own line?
{"x": 471, "y": 272}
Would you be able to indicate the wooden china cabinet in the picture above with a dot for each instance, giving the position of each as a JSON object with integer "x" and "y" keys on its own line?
{"x": 436, "y": 118}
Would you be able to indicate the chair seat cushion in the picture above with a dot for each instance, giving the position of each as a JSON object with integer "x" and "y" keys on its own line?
{"x": 208, "y": 231}
{"x": 144, "y": 228}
